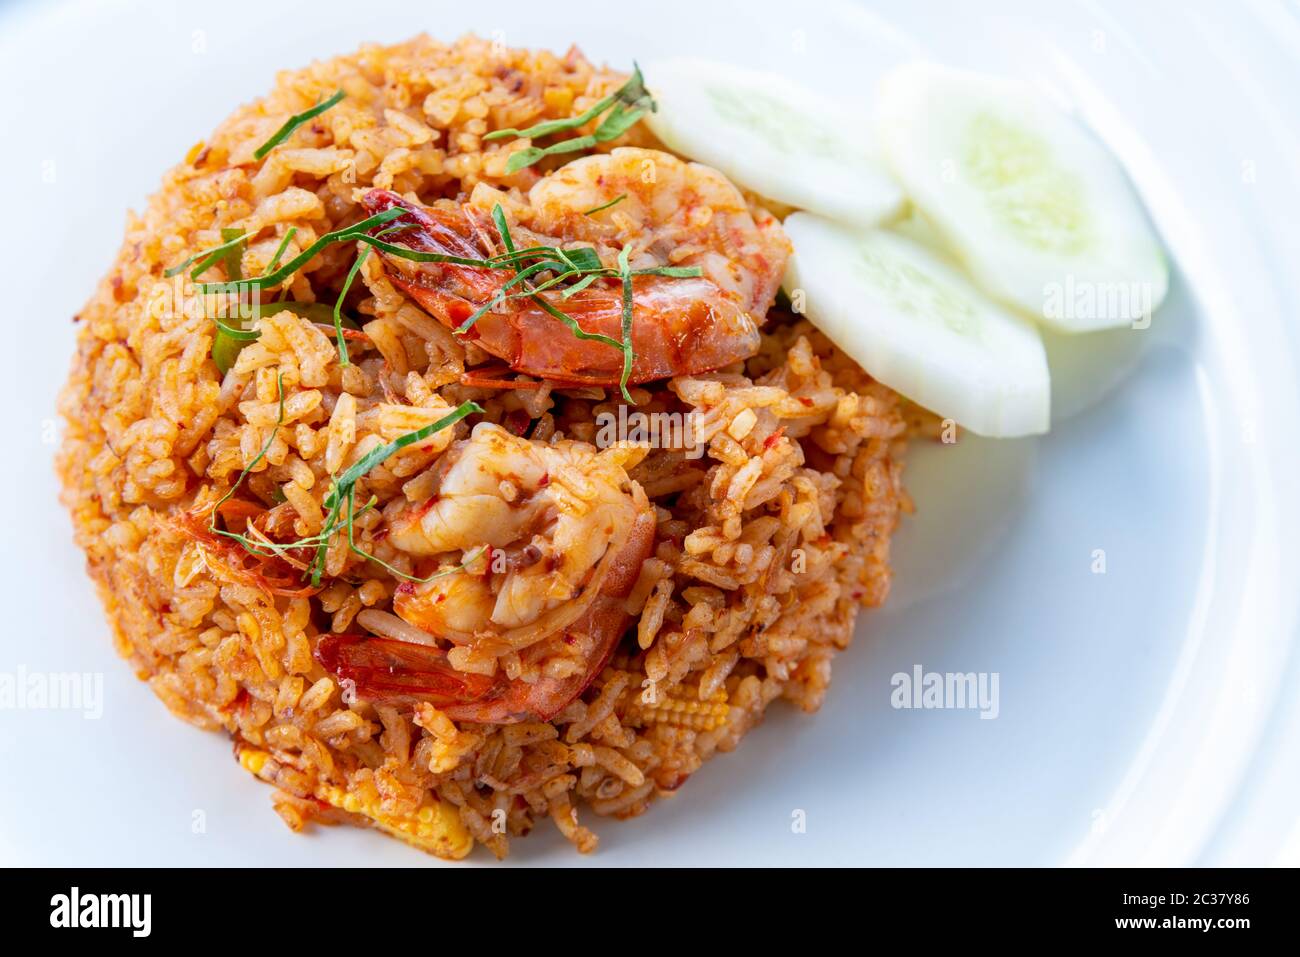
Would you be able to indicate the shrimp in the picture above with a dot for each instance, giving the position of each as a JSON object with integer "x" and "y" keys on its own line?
{"x": 668, "y": 212}
{"x": 565, "y": 533}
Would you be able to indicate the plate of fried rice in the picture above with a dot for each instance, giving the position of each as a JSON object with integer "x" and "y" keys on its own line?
{"x": 673, "y": 437}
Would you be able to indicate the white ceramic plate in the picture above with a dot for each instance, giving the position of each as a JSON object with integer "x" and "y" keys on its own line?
{"x": 1146, "y": 715}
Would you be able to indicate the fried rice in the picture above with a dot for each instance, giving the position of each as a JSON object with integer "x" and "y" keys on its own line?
{"x": 765, "y": 546}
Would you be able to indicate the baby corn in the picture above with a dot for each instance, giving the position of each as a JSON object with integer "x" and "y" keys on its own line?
{"x": 680, "y": 708}
{"x": 435, "y": 827}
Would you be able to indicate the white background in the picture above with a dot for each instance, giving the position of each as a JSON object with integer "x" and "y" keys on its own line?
{"x": 1148, "y": 715}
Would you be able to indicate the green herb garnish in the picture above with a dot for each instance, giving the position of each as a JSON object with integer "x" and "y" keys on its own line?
{"x": 276, "y": 274}
{"x": 274, "y": 277}
{"x": 344, "y": 489}
{"x": 339, "y": 502}
{"x": 266, "y": 447}
{"x": 604, "y": 206}
{"x": 320, "y": 313}
{"x": 566, "y": 264}
{"x": 226, "y": 349}
{"x": 230, "y": 238}
{"x": 229, "y": 340}
{"x": 582, "y": 266}
{"x": 279, "y": 250}
{"x": 235, "y": 332}
{"x": 578, "y": 267}
{"x": 499, "y": 217}
{"x": 338, "y": 306}
{"x": 295, "y": 121}
{"x": 625, "y": 271}
{"x": 234, "y": 255}
{"x": 626, "y": 106}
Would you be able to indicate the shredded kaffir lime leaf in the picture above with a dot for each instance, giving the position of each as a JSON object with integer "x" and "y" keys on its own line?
{"x": 230, "y": 340}
{"x": 564, "y": 266}
{"x": 569, "y": 271}
{"x": 344, "y": 489}
{"x": 625, "y": 107}
{"x": 273, "y": 277}
{"x": 338, "y": 306}
{"x": 581, "y": 267}
{"x": 295, "y": 121}
{"x": 625, "y": 272}
{"x": 604, "y": 206}
{"x": 266, "y": 447}
{"x": 280, "y": 250}
{"x": 340, "y": 501}
{"x": 209, "y": 257}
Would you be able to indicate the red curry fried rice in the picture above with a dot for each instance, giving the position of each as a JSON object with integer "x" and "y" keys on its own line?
{"x": 738, "y": 573}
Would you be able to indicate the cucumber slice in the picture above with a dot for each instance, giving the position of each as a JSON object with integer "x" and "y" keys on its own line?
{"x": 783, "y": 142}
{"x": 1042, "y": 214}
{"x": 1086, "y": 369}
{"x": 920, "y": 327}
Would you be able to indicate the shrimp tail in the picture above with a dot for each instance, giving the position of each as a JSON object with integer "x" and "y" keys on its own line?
{"x": 404, "y": 673}
{"x": 398, "y": 672}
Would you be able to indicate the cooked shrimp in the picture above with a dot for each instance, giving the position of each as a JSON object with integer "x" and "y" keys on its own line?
{"x": 669, "y": 212}
{"x": 400, "y": 672}
{"x": 547, "y": 512}
{"x": 566, "y": 533}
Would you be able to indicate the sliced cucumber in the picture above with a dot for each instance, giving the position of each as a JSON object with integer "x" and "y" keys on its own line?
{"x": 920, "y": 327}
{"x": 770, "y": 135}
{"x": 1039, "y": 211}
{"x": 1086, "y": 369}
